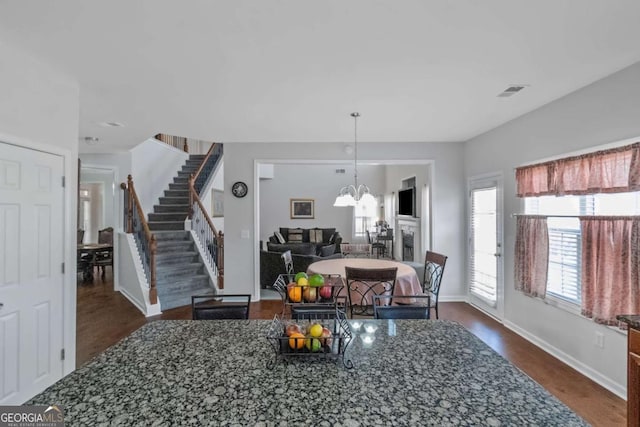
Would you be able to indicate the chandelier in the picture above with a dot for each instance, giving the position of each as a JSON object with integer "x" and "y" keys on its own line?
{"x": 353, "y": 195}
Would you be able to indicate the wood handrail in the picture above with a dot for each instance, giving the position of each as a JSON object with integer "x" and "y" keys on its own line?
{"x": 149, "y": 236}
{"x": 219, "y": 262}
{"x": 204, "y": 162}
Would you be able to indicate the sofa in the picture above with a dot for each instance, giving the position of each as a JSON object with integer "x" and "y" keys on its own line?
{"x": 292, "y": 237}
{"x": 303, "y": 254}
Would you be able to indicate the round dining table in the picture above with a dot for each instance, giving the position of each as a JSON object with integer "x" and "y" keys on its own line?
{"x": 407, "y": 282}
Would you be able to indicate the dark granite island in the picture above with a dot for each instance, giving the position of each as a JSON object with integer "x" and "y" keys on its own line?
{"x": 415, "y": 372}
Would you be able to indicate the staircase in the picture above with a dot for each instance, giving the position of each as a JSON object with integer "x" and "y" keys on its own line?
{"x": 180, "y": 273}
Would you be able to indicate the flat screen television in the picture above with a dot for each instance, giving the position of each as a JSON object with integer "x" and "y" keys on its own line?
{"x": 407, "y": 201}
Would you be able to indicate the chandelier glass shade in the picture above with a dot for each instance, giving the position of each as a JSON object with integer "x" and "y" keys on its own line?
{"x": 355, "y": 194}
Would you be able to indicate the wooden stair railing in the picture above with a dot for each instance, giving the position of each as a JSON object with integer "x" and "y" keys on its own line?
{"x": 137, "y": 224}
{"x": 178, "y": 142}
{"x": 212, "y": 241}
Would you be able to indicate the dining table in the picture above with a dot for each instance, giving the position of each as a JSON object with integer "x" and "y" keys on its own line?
{"x": 219, "y": 372}
{"x": 407, "y": 282}
{"x": 86, "y": 255}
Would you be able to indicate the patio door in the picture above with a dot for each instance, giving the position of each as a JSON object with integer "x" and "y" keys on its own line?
{"x": 485, "y": 244}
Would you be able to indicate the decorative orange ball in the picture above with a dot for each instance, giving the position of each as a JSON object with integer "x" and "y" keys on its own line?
{"x": 295, "y": 294}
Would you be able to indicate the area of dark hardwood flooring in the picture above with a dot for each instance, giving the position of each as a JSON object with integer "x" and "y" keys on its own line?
{"x": 104, "y": 317}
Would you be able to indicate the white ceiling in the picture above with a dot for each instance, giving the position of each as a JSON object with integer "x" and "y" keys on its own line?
{"x": 293, "y": 70}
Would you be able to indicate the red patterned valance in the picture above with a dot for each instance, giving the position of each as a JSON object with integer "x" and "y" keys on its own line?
{"x": 616, "y": 170}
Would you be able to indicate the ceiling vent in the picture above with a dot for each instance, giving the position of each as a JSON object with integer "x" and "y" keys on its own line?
{"x": 112, "y": 124}
{"x": 511, "y": 90}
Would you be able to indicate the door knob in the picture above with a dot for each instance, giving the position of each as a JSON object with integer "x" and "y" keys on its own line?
{"x": 497, "y": 255}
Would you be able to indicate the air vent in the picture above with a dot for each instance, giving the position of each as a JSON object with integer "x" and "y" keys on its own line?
{"x": 112, "y": 124}
{"x": 511, "y": 90}
{"x": 340, "y": 171}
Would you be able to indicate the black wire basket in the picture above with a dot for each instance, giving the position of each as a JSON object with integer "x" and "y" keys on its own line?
{"x": 331, "y": 347}
{"x": 329, "y": 294}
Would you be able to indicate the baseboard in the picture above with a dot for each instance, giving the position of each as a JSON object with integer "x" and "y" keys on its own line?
{"x": 617, "y": 389}
{"x": 452, "y": 298}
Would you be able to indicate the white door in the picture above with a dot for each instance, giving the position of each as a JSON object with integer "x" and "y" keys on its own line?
{"x": 485, "y": 244}
{"x": 31, "y": 278}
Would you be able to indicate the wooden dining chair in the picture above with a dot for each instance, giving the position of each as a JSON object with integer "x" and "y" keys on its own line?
{"x": 220, "y": 307}
{"x": 419, "y": 308}
{"x": 365, "y": 283}
{"x": 104, "y": 258}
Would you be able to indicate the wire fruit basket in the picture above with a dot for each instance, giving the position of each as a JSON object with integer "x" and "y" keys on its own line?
{"x": 331, "y": 346}
{"x": 329, "y": 294}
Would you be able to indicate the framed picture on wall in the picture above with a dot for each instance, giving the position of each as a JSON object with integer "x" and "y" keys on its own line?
{"x": 217, "y": 203}
{"x": 301, "y": 208}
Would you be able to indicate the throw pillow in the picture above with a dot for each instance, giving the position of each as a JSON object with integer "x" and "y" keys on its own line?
{"x": 327, "y": 250}
{"x": 315, "y": 235}
{"x": 295, "y": 235}
{"x": 279, "y": 237}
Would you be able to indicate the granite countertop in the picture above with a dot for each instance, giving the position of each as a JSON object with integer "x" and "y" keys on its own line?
{"x": 633, "y": 320}
{"x": 415, "y": 372}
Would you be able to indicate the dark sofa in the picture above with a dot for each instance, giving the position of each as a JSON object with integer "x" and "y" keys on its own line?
{"x": 303, "y": 254}
{"x": 329, "y": 237}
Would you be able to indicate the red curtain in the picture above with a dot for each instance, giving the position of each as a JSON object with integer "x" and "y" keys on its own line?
{"x": 532, "y": 255}
{"x": 607, "y": 171}
{"x": 610, "y": 267}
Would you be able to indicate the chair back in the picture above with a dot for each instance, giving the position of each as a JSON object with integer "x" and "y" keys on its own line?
{"x": 80, "y": 236}
{"x": 418, "y": 310}
{"x": 220, "y": 307}
{"x": 368, "y": 237}
{"x": 355, "y": 250}
{"x": 433, "y": 270}
{"x": 365, "y": 283}
{"x": 288, "y": 262}
{"x": 106, "y": 235}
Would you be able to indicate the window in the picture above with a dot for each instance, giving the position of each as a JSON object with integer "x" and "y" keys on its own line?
{"x": 565, "y": 251}
{"x": 365, "y": 217}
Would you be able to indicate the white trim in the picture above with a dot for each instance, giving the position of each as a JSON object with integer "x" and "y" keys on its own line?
{"x": 256, "y": 197}
{"x": 117, "y": 215}
{"x": 144, "y": 306}
{"x": 618, "y": 389}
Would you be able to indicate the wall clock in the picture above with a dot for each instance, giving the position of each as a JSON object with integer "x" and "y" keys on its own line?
{"x": 239, "y": 189}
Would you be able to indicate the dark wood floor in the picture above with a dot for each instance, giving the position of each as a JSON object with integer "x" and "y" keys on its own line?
{"x": 105, "y": 317}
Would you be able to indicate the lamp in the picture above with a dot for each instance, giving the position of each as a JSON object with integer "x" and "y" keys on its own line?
{"x": 352, "y": 195}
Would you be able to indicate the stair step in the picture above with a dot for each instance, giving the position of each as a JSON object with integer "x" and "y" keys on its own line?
{"x": 167, "y": 216}
{"x": 166, "y": 225}
{"x": 177, "y": 193}
{"x": 179, "y": 186}
{"x": 172, "y": 236}
{"x": 173, "y": 246}
{"x": 167, "y": 258}
{"x": 174, "y": 201}
{"x": 192, "y": 169}
{"x": 168, "y": 286}
{"x": 171, "y": 208}
{"x": 199, "y": 157}
{"x": 183, "y": 174}
{"x": 181, "y": 179}
{"x": 190, "y": 269}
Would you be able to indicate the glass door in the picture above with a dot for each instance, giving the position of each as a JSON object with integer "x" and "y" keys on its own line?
{"x": 485, "y": 244}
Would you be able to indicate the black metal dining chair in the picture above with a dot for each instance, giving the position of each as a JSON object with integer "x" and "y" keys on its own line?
{"x": 433, "y": 270}
{"x": 419, "y": 308}
{"x": 365, "y": 283}
{"x": 379, "y": 247}
{"x": 220, "y": 307}
{"x": 288, "y": 261}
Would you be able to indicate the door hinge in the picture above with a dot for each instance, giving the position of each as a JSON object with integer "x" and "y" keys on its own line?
{"x": 62, "y": 354}
{"x": 63, "y": 268}
{"x": 63, "y": 181}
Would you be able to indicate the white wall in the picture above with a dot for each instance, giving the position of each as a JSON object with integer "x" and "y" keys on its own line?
{"x": 312, "y": 181}
{"x": 240, "y": 214}
{"x": 39, "y": 109}
{"x": 604, "y": 112}
{"x": 153, "y": 166}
